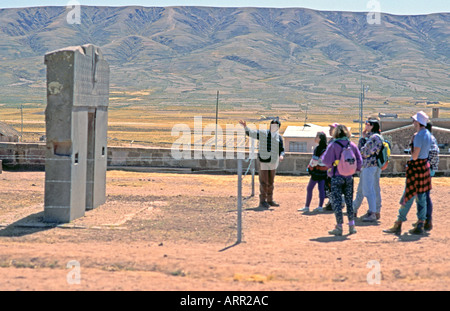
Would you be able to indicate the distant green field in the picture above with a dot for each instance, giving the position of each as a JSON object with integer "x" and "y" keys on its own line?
{"x": 147, "y": 118}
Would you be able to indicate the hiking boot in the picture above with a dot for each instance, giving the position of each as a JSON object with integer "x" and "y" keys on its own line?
{"x": 418, "y": 229}
{"x": 367, "y": 213}
{"x": 369, "y": 217}
{"x": 396, "y": 229}
{"x": 305, "y": 209}
{"x": 328, "y": 207}
{"x": 428, "y": 225}
{"x": 336, "y": 231}
{"x": 263, "y": 204}
{"x": 351, "y": 230}
{"x": 273, "y": 203}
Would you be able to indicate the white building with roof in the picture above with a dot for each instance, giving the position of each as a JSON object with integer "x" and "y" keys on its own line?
{"x": 301, "y": 138}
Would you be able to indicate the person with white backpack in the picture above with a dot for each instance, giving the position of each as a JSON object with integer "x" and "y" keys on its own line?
{"x": 344, "y": 159}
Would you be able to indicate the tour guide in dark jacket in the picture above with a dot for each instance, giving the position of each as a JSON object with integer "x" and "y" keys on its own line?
{"x": 271, "y": 152}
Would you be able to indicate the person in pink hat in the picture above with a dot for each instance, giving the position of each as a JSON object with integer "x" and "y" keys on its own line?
{"x": 332, "y": 127}
{"x": 418, "y": 177}
{"x": 329, "y": 205}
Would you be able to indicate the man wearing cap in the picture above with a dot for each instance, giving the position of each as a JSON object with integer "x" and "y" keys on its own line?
{"x": 418, "y": 178}
{"x": 271, "y": 152}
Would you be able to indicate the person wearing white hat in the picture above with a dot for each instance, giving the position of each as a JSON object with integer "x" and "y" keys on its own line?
{"x": 418, "y": 177}
{"x": 421, "y": 117}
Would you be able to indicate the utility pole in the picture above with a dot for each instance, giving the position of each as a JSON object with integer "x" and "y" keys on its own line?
{"x": 361, "y": 100}
{"x": 217, "y": 116}
{"x": 306, "y": 114}
{"x": 362, "y": 96}
{"x": 21, "y": 118}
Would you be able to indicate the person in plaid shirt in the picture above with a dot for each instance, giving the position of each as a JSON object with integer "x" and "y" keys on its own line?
{"x": 433, "y": 159}
{"x": 418, "y": 178}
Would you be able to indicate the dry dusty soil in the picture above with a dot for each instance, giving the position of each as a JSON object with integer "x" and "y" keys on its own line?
{"x": 171, "y": 232}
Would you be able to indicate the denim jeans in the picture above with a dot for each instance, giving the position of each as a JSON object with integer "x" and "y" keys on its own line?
{"x": 370, "y": 178}
{"x": 421, "y": 202}
{"x": 429, "y": 204}
{"x": 429, "y": 207}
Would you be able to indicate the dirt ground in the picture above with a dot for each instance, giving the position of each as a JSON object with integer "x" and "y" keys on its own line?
{"x": 178, "y": 232}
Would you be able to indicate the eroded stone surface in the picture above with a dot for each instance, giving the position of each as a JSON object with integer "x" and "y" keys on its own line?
{"x": 76, "y": 126}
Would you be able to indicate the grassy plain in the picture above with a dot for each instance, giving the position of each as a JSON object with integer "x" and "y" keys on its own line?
{"x": 144, "y": 118}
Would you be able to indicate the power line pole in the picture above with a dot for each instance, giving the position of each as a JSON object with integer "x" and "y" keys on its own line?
{"x": 217, "y": 115}
{"x": 362, "y": 97}
{"x": 21, "y": 126}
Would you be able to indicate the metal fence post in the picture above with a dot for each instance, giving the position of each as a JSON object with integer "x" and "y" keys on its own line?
{"x": 252, "y": 161}
{"x": 239, "y": 201}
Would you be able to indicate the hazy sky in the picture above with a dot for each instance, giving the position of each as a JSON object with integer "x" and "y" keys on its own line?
{"x": 403, "y": 7}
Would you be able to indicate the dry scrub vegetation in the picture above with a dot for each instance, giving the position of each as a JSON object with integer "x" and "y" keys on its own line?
{"x": 176, "y": 232}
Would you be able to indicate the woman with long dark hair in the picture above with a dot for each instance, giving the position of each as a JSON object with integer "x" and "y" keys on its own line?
{"x": 370, "y": 146}
{"x": 318, "y": 172}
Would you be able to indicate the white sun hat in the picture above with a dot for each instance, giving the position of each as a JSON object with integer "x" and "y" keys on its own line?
{"x": 421, "y": 117}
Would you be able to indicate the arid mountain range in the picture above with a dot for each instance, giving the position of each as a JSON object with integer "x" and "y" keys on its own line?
{"x": 249, "y": 54}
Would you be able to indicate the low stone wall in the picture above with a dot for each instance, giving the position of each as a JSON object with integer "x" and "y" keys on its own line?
{"x": 32, "y": 156}
{"x": 23, "y": 155}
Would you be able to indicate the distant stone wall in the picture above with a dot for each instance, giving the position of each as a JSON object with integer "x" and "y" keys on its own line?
{"x": 401, "y": 138}
{"x": 23, "y": 155}
{"x": 32, "y": 156}
{"x": 390, "y": 124}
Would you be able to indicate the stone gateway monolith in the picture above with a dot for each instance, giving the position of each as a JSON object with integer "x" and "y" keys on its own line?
{"x": 76, "y": 127}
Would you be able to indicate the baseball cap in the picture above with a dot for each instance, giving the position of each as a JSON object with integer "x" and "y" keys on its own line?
{"x": 333, "y": 124}
{"x": 276, "y": 121}
{"x": 421, "y": 117}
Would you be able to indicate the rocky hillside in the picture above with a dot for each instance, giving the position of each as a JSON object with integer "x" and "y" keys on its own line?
{"x": 288, "y": 55}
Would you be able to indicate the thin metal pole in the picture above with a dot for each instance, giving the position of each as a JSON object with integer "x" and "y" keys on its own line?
{"x": 361, "y": 100}
{"x": 217, "y": 115}
{"x": 21, "y": 127}
{"x": 239, "y": 202}
{"x": 252, "y": 159}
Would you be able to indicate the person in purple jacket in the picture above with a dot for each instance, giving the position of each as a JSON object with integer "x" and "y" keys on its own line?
{"x": 341, "y": 184}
